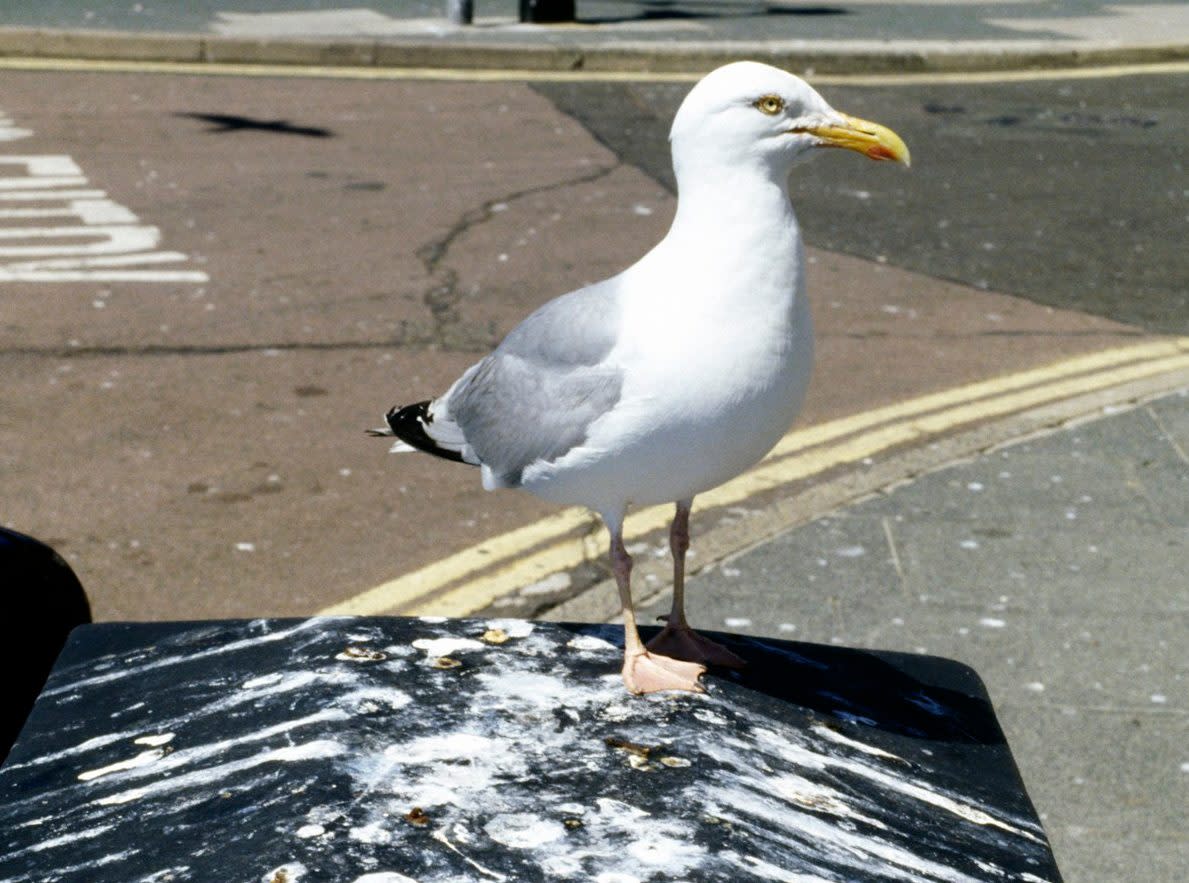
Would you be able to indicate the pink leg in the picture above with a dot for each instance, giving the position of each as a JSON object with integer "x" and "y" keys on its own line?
{"x": 645, "y": 672}
{"x": 677, "y": 639}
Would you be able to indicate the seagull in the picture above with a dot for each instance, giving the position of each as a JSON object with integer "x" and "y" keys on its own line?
{"x": 678, "y": 373}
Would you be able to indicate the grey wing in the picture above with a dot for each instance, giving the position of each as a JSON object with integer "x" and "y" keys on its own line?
{"x": 535, "y": 397}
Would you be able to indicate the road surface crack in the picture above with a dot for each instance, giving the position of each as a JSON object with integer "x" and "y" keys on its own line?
{"x": 442, "y": 297}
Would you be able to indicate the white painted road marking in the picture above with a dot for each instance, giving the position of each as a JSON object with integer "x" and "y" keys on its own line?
{"x": 10, "y": 131}
{"x": 54, "y": 227}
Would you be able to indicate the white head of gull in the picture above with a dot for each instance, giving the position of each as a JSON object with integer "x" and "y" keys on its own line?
{"x": 677, "y": 374}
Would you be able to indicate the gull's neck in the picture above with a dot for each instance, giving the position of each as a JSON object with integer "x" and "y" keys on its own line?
{"x": 735, "y": 207}
{"x": 736, "y": 224}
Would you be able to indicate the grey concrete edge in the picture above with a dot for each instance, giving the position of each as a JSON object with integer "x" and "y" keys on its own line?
{"x": 718, "y": 542}
{"x": 836, "y": 57}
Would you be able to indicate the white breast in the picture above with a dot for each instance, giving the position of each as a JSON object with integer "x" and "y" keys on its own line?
{"x": 715, "y": 370}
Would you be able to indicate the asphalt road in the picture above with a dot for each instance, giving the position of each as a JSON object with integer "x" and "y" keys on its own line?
{"x": 1063, "y": 192}
{"x": 191, "y": 439}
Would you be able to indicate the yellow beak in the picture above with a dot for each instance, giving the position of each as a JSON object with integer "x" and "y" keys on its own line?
{"x": 871, "y": 139}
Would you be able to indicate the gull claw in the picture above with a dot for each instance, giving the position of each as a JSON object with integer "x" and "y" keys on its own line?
{"x": 646, "y": 672}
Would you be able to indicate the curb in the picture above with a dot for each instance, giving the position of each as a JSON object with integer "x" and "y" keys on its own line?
{"x": 620, "y": 57}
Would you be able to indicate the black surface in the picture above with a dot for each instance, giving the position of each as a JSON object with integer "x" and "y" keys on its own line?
{"x": 332, "y": 748}
{"x": 546, "y": 11}
{"x": 1065, "y": 192}
{"x": 43, "y": 600}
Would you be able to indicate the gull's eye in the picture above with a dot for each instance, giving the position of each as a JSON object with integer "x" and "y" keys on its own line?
{"x": 770, "y": 104}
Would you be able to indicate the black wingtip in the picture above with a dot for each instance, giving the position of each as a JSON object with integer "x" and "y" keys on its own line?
{"x": 408, "y": 423}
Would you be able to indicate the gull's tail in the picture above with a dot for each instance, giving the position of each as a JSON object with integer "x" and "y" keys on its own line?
{"x": 413, "y": 426}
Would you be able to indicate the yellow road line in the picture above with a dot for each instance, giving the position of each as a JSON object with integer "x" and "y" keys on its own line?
{"x": 927, "y": 78}
{"x": 349, "y": 72}
{"x": 515, "y": 543}
{"x": 432, "y": 577}
{"x": 798, "y": 441}
{"x": 432, "y": 589}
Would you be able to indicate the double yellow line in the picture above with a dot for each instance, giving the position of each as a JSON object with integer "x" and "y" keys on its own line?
{"x": 502, "y": 75}
{"x": 471, "y": 579}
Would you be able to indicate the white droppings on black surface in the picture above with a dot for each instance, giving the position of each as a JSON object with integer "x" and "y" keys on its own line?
{"x": 261, "y": 751}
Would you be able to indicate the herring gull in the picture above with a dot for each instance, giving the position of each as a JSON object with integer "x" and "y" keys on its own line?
{"x": 680, "y": 372}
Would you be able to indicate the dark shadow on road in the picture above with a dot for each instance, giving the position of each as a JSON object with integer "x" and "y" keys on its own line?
{"x": 223, "y": 122}
{"x": 669, "y": 10}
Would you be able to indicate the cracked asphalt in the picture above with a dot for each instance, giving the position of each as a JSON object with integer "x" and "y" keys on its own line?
{"x": 443, "y": 298}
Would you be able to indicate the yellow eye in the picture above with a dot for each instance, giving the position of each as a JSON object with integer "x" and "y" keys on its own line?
{"x": 770, "y": 104}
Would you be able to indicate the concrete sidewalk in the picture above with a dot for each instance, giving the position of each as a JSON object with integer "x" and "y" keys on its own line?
{"x": 612, "y": 35}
